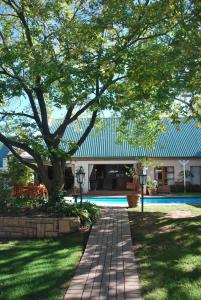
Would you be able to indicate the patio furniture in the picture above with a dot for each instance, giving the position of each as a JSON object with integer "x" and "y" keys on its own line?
{"x": 32, "y": 191}
{"x": 18, "y": 191}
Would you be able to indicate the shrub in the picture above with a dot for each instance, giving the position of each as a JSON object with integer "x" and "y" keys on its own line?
{"x": 151, "y": 184}
{"x": 87, "y": 212}
{"x": 18, "y": 172}
{"x": 92, "y": 209}
{"x": 27, "y": 202}
{"x": 5, "y": 191}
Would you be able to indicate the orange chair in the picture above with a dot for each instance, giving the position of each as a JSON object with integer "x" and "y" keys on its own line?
{"x": 19, "y": 191}
{"x": 32, "y": 191}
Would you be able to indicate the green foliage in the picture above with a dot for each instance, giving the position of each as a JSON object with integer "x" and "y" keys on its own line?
{"x": 92, "y": 209}
{"x": 87, "y": 212}
{"x": 82, "y": 57}
{"x": 131, "y": 172}
{"x": 151, "y": 184}
{"x": 18, "y": 172}
{"x": 5, "y": 191}
{"x": 70, "y": 45}
{"x": 20, "y": 204}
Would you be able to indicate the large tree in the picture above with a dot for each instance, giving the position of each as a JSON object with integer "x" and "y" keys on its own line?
{"x": 85, "y": 56}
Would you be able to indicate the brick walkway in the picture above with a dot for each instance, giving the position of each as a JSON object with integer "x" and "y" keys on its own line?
{"x": 107, "y": 269}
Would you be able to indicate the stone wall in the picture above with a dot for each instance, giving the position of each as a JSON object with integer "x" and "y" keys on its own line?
{"x": 36, "y": 227}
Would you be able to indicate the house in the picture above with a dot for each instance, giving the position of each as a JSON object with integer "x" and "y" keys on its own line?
{"x": 105, "y": 162}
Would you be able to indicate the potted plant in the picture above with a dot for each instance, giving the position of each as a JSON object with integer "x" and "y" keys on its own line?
{"x": 152, "y": 186}
{"x": 133, "y": 199}
{"x": 133, "y": 176}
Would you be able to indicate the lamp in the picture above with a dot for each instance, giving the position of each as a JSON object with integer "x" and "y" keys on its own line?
{"x": 80, "y": 175}
{"x": 143, "y": 181}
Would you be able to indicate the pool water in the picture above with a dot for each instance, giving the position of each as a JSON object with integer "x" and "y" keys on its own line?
{"x": 122, "y": 201}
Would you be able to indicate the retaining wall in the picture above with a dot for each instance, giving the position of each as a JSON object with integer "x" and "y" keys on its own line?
{"x": 36, "y": 227}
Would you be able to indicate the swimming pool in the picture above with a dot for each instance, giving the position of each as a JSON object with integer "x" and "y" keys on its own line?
{"x": 122, "y": 201}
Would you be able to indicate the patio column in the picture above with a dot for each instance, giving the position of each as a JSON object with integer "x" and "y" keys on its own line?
{"x": 184, "y": 163}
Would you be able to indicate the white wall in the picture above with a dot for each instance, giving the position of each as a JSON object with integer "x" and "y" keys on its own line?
{"x": 85, "y": 164}
{"x": 150, "y": 171}
{"x": 177, "y": 167}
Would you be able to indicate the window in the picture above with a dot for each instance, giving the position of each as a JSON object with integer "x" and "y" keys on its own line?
{"x": 164, "y": 175}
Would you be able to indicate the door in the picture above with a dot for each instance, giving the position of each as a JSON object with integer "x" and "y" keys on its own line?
{"x": 164, "y": 175}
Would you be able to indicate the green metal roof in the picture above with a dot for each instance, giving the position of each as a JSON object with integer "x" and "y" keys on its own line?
{"x": 185, "y": 142}
{"x": 3, "y": 153}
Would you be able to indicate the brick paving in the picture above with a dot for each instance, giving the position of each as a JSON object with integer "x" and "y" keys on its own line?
{"x": 107, "y": 269}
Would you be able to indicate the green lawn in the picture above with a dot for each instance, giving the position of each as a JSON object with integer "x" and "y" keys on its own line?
{"x": 38, "y": 269}
{"x": 168, "y": 248}
{"x": 193, "y": 194}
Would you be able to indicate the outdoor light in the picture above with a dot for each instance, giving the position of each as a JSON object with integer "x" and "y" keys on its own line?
{"x": 80, "y": 175}
{"x": 143, "y": 181}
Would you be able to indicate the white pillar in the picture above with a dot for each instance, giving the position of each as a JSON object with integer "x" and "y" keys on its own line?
{"x": 144, "y": 171}
{"x": 184, "y": 163}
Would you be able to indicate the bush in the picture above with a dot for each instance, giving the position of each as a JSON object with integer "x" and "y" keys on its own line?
{"x": 87, "y": 212}
{"x": 5, "y": 191}
{"x": 18, "y": 172}
{"x": 26, "y": 202}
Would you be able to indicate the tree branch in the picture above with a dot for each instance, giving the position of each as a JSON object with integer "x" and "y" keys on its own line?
{"x": 76, "y": 10}
{"x": 79, "y": 112}
{"x": 86, "y": 133}
{"x": 26, "y": 27}
{"x": 185, "y": 102}
{"x": 10, "y": 144}
{"x": 8, "y": 15}
{"x": 61, "y": 129}
{"x": 28, "y": 92}
{"x": 5, "y": 114}
{"x": 30, "y": 165}
{"x": 6, "y": 141}
{"x": 43, "y": 110}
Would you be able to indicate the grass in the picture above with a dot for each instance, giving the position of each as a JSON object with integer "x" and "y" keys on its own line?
{"x": 38, "y": 269}
{"x": 168, "y": 250}
{"x": 193, "y": 194}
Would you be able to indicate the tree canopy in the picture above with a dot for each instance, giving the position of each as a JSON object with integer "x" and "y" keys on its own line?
{"x": 132, "y": 57}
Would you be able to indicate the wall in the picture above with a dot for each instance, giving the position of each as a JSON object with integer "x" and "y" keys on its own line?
{"x": 176, "y": 164}
{"x": 150, "y": 172}
{"x": 36, "y": 227}
{"x": 85, "y": 164}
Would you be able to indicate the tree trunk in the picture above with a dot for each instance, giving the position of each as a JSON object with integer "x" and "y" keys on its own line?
{"x": 58, "y": 177}
{"x": 57, "y": 180}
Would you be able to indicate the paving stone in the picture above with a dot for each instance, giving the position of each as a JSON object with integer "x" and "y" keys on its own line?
{"x": 108, "y": 268}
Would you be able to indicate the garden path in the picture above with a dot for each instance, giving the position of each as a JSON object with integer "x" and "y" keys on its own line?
{"x": 108, "y": 268}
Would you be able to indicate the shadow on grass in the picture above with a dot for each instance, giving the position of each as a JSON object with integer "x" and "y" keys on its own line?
{"x": 169, "y": 255}
{"x": 38, "y": 269}
{"x": 195, "y": 205}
